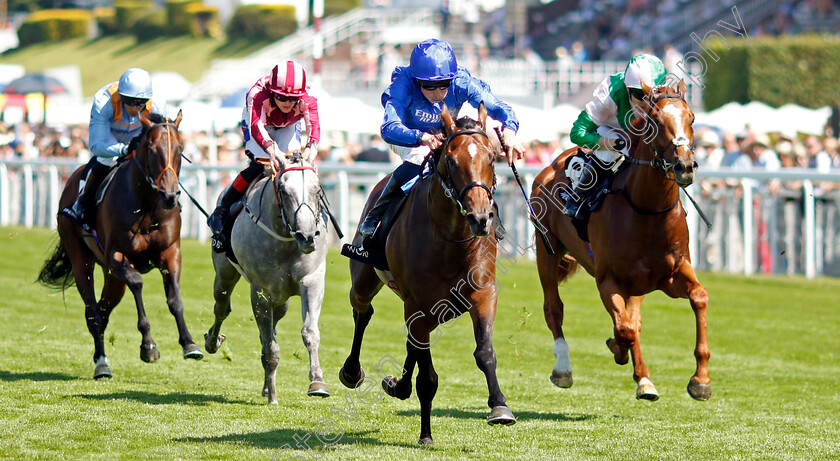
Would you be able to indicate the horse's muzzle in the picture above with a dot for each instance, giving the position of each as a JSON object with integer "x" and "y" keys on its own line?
{"x": 480, "y": 223}
{"x": 684, "y": 173}
{"x": 169, "y": 199}
{"x": 306, "y": 243}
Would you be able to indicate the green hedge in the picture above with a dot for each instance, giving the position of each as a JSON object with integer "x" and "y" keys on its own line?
{"x": 177, "y": 18}
{"x": 151, "y": 26}
{"x": 262, "y": 22}
{"x": 204, "y": 20}
{"x": 106, "y": 20}
{"x": 52, "y": 25}
{"x": 334, "y": 7}
{"x": 799, "y": 69}
{"x": 129, "y": 12}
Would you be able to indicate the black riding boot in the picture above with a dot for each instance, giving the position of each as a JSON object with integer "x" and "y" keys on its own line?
{"x": 575, "y": 202}
{"x": 86, "y": 201}
{"x": 368, "y": 227}
{"x": 216, "y": 221}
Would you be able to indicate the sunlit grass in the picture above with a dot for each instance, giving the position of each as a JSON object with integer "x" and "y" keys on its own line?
{"x": 774, "y": 367}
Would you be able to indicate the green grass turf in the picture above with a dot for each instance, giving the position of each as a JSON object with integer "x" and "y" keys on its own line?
{"x": 103, "y": 60}
{"x": 774, "y": 367}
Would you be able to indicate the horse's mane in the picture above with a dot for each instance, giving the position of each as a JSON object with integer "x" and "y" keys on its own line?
{"x": 463, "y": 122}
{"x": 155, "y": 119}
{"x": 295, "y": 157}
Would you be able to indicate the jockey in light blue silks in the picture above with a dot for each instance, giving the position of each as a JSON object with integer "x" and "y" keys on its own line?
{"x": 603, "y": 124}
{"x": 114, "y": 127}
{"x": 413, "y": 105}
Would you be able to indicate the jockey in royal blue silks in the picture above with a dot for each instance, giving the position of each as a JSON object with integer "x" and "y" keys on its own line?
{"x": 113, "y": 133}
{"x": 413, "y": 105}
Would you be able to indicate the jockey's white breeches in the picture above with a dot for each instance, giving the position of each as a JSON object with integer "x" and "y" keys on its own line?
{"x": 286, "y": 137}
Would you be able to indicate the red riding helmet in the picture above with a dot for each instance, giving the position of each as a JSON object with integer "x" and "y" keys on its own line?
{"x": 288, "y": 79}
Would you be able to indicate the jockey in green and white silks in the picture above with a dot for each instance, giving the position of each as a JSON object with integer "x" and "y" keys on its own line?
{"x": 603, "y": 124}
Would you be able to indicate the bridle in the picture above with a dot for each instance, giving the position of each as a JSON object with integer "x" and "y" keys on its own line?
{"x": 155, "y": 183}
{"x": 659, "y": 161}
{"x": 291, "y": 225}
{"x": 448, "y": 183}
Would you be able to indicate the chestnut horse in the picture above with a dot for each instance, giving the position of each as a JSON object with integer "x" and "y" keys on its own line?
{"x": 138, "y": 227}
{"x": 638, "y": 240}
{"x": 441, "y": 252}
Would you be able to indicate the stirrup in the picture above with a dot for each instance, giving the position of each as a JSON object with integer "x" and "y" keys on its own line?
{"x": 365, "y": 228}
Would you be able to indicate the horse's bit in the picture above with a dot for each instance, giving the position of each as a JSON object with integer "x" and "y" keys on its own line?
{"x": 449, "y": 184}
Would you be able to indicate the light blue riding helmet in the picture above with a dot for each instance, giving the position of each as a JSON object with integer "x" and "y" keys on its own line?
{"x": 433, "y": 60}
{"x": 136, "y": 83}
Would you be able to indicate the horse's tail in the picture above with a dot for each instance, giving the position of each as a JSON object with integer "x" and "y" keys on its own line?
{"x": 57, "y": 272}
{"x": 566, "y": 267}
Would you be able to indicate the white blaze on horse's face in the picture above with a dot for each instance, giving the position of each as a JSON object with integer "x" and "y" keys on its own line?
{"x": 472, "y": 149}
{"x": 679, "y": 132}
{"x": 301, "y": 206}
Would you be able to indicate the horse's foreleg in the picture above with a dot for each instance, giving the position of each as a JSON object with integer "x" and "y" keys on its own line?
{"x": 547, "y": 265}
{"x": 263, "y": 313}
{"x": 401, "y": 387}
{"x": 623, "y": 331}
{"x": 427, "y": 383}
{"x": 366, "y": 285}
{"x": 312, "y": 297}
{"x": 644, "y": 386}
{"x": 685, "y": 284}
{"x": 482, "y": 314}
{"x": 169, "y": 264}
{"x": 225, "y": 280}
{"x": 121, "y": 268}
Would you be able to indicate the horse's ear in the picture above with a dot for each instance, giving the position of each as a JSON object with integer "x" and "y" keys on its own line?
{"x": 482, "y": 115}
{"x": 178, "y": 118}
{"x": 448, "y": 121}
{"x": 145, "y": 121}
{"x": 645, "y": 88}
{"x": 681, "y": 87}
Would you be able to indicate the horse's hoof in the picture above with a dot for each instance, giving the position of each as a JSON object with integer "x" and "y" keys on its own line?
{"x": 699, "y": 391}
{"x": 501, "y": 414}
{"x": 426, "y": 440}
{"x": 646, "y": 390}
{"x": 318, "y": 389}
{"x": 621, "y": 356}
{"x": 192, "y": 351}
{"x": 351, "y": 382}
{"x": 102, "y": 371}
{"x": 561, "y": 379}
{"x": 152, "y": 354}
{"x": 213, "y": 346}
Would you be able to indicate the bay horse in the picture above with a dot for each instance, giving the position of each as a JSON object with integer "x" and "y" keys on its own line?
{"x": 638, "y": 240}
{"x": 441, "y": 252}
{"x": 137, "y": 228}
{"x": 279, "y": 241}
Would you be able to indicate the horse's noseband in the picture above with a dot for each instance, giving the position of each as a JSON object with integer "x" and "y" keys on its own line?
{"x": 291, "y": 224}
{"x": 448, "y": 184}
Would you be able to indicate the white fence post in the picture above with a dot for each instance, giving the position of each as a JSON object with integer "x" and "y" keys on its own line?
{"x": 810, "y": 230}
{"x": 5, "y": 200}
{"x": 28, "y": 199}
{"x": 749, "y": 237}
{"x": 54, "y": 195}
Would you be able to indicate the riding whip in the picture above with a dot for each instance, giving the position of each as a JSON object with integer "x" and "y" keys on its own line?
{"x": 533, "y": 216}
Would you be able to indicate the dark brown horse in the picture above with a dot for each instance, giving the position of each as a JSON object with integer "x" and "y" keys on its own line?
{"x": 442, "y": 254}
{"x": 638, "y": 240}
{"x": 138, "y": 227}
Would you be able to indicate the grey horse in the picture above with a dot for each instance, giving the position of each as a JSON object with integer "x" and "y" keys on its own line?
{"x": 280, "y": 242}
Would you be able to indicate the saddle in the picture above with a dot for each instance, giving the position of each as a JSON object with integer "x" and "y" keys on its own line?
{"x": 372, "y": 250}
{"x": 588, "y": 200}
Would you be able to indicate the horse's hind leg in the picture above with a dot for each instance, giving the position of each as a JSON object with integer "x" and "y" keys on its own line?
{"x": 169, "y": 264}
{"x": 112, "y": 292}
{"x": 483, "y": 314}
{"x": 366, "y": 285}
{"x": 401, "y": 387}
{"x": 263, "y": 313}
{"x": 225, "y": 280}
{"x": 120, "y": 267}
{"x": 83, "y": 266}
{"x": 550, "y": 270}
{"x": 312, "y": 297}
{"x": 685, "y": 284}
